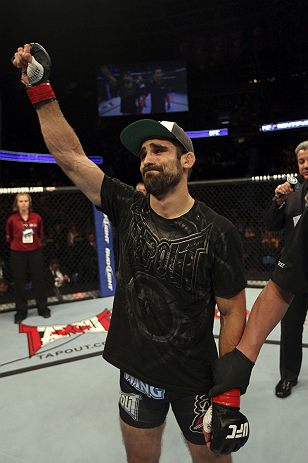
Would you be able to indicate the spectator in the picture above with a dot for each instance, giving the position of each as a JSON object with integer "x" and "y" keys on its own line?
{"x": 87, "y": 271}
{"x": 271, "y": 243}
{"x": 56, "y": 277}
{"x": 60, "y": 239}
{"x": 270, "y": 248}
{"x": 73, "y": 241}
{"x": 5, "y": 272}
{"x": 72, "y": 235}
{"x": 252, "y": 251}
{"x": 142, "y": 94}
{"x": 140, "y": 187}
{"x": 50, "y": 249}
{"x": 4, "y": 287}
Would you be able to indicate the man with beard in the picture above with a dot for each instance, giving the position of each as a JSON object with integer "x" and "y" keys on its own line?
{"x": 128, "y": 90}
{"x": 177, "y": 260}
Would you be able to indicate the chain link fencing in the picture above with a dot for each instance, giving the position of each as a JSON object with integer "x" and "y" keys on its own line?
{"x": 245, "y": 202}
{"x": 70, "y": 232}
{"x": 69, "y": 240}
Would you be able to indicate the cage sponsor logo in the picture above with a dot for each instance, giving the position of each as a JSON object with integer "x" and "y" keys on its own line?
{"x": 108, "y": 270}
{"x": 25, "y": 189}
{"x": 39, "y": 336}
{"x": 108, "y": 266}
{"x": 106, "y": 228}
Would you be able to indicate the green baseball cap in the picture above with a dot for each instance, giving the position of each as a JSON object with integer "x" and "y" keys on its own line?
{"x": 134, "y": 134}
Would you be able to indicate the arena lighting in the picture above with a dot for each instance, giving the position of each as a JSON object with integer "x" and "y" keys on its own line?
{"x": 37, "y": 158}
{"x": 284, "y": 125}
{"x": 207, "y": 133}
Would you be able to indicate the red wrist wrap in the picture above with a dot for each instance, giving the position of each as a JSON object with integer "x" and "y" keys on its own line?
{"x": 230, "y": 398}
{"x": 41, "y": 92}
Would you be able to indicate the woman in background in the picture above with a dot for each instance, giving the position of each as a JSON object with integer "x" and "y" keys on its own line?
{"x": 24, "y": 232}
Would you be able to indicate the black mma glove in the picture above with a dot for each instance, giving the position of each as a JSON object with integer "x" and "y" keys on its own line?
{"x": 230, "y": 371}
{"x": 39, "y": 89}
{"x": 228, "y": 427}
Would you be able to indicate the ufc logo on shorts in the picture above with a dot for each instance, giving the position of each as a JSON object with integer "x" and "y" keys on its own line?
{"x": 237, "y": 433}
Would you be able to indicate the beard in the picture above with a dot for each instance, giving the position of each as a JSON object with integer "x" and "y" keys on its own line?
{"x": 159, "y": 184}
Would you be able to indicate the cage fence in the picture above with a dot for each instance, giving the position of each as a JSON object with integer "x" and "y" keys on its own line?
{"x": 70, "y": 232}
{"x": 245, "y": 203}
{"x": 69, "y": 239}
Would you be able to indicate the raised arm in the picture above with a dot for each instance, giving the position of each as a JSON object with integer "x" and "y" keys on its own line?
{"x": 65, "y": 147}
{"x": 60, "y": 138}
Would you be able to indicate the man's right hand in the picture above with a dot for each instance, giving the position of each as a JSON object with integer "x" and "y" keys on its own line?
{"x": 21, "y": 60}
{"x": 35, "y": 65}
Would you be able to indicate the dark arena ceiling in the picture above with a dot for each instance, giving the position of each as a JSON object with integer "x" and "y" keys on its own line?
{"x": 252, "y": 39}
{"x": 238, "y": 53}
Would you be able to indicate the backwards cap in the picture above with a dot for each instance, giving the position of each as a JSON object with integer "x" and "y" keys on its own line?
{"x": 134, "y": 134}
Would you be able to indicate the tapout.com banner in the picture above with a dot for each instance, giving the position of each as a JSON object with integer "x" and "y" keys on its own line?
{"x": 72, "y": 333}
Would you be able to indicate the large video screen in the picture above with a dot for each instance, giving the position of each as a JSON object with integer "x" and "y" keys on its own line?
{"x": 142, "y": 88}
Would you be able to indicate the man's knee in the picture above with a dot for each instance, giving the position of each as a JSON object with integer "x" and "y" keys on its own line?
{"x": 202, "y": 454}
{"x": 142, "y": 445}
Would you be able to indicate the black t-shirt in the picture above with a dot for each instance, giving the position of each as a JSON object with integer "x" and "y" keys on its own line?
{"x": 291, "y": 272}
{"x": 159, "y": 93}
{"x": 129, "y": 97}
{"x": 170, "y": 271}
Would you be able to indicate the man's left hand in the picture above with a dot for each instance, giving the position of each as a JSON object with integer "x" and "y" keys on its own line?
{"x": 229, "y": 428}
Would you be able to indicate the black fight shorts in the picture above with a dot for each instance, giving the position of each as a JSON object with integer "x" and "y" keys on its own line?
{"x": 145, "y": 406}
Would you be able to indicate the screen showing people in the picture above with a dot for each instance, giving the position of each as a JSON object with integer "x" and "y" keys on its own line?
{"x": 142, "y": 88}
